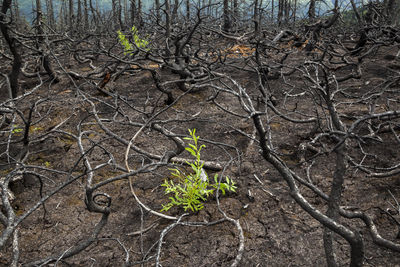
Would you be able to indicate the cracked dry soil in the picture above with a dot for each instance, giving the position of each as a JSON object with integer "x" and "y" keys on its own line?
{"x": 277, "y": 231}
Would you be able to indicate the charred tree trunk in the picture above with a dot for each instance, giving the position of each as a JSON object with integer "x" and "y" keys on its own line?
{"x": 187, "y": 10}
{"x": 175, "y": 11}
{"x": 362, "y": 41}
{"x": 167, "y": 19}
{"x": 119, "y": 14}
{"x": 50, "y": 13}
{"x": 60, "y": 22}
{"x": 255, "y": 17}
{"x": 391, "y": 11}
{"x": 227, "y": 22}
{"x": 114, "y": 14}
{"x": 71, "y": 15}
{"x": 294, "y": 11}
{"x": 311, "y": 10}
{"x": 41, "y": 44}
{"x": 15, "y": 13}
{"x": 236, "y": 9}
{"x": 139, "y": 14}
{"x": 272, "y": 10}
{"x": 94, "y": 13}
{"x": 280, "y": 11}
{"x": 315, "y": 29}
{"x": 85, "y": 15}
{"x": 157, "y": 7}
{"x": 133, "y": 11}
{"x": 12, "y": 44}
{"x": 335, "y": 196}
{"x": 235, "y": 14}
{"x": 287, "y": 10}
{"x": 356, "y": 13}
{"x": 126, "y": 13}
{"x": 79, "y": 15}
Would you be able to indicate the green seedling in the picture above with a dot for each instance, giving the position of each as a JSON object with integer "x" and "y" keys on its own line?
{"x": 190, "y": 190}
{"x": 138, "y": 42}
{"x": 16, "y": 129}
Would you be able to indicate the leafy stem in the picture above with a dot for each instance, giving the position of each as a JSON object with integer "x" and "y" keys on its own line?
{"x": 190, "y": 190}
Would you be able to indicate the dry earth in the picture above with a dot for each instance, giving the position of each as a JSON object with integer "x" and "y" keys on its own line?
{"x": 277, "y": 231}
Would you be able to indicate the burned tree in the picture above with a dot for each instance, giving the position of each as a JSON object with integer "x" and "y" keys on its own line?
{"x": 12, "y": 43}
{"x": 309, "y": 138}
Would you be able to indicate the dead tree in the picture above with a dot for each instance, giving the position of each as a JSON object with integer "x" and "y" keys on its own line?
{"x": 41, "y": 44}
{"x": 12, "y": 42}
{"x": 71, "y": 16}
{"x": 227, "y": 23}
{"x": 187, "y": 10}
{"x": 311, "y": 10}
{"x": 50, "y": 13}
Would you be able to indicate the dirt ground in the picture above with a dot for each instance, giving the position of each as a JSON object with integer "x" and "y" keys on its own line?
{"x": 277, "y": 232}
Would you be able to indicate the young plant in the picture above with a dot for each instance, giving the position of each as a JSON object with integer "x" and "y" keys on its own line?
{"x": 137, "y": 41}
{"x": 190, "y": 190}
{"x": 16, "y": 129}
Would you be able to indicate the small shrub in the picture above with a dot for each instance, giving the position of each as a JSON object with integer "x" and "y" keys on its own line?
{"x": 137, "y": 41}
{"x": 190, "y": 190}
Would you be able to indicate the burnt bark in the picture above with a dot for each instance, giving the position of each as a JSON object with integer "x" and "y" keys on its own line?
{"x": 391, "y": 11}
{"x": 41, "y": 44}
{"x": 226, "y": 15}
{"x": 85, "y": 15}
{"x": 280, "y": 11}
{"x": 188, "y": 10}
{"x": 311, "y": 10}
{"x": 79, "y": 14}
{"x": 13, "y": 76}
{"x": 255, "y": 17}
{"x": 316, "y": 28}
{"x": 50, "y": 13}
{"x": 175, "y": 11}
{"x": 71, "y": 15}
{"x": 157, "y": 10}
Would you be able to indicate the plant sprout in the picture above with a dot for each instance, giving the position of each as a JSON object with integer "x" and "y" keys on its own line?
{"x": 190, "y": 190}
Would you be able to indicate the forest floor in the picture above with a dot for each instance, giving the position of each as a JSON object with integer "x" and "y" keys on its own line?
{"x": 277, "y": 232}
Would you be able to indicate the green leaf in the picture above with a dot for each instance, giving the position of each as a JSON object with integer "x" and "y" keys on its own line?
{"x": 192, "y": 189}
{"x": 128, "y": 47}
{"x": 191, "y": 151}
{"x": 216, "y": 178}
